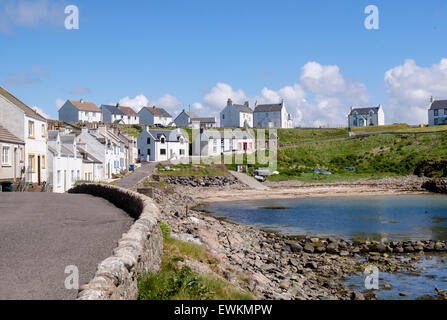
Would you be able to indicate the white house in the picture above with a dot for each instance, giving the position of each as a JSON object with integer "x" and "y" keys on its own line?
{"x": 272, "y": 116}
{"x": 130, "y": 116}
{"x": 155, "y": 116}
{"x": 214, "y": 143}
{"x": 162, "y": 145}
{"x": 112, "y": 114}
{"x": 236, "y": 116}
{"x": 93, "y": 150}
{"x": 364, "y": 117}
{"x": 183, "y": 120}
{"x": 64, "y": 163}
{"x": 12, "y": 153}
{"x": 30, "y": 127}
{"x": 437, "y": 112}
{"x": 80, "y": 111}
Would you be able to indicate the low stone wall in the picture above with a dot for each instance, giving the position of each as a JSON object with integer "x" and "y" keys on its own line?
{"x": 139, "y": 250}
{"x": 437, "y": 186}
{"x": 219, "y": 181}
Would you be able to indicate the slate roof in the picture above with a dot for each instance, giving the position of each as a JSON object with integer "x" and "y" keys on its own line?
{"x": 171, "y": 135}
{"x": 205, "y": 120}
{"x": 243, "y": 108}
{"x": 112, "y": 109}
{"x": 128, "y": 111}
{"x": 158, "y": 112}
{"x": 85, "y": 106}
{"x": 6, "y": 136}
{"x": 268, "y": 107}
{"x": 14, "y": 100}
{"x": 438, "y": 104}
{"x": 364, "y": 111}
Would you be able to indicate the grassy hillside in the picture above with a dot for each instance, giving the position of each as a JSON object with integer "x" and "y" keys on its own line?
{"x": 403, "y": 127}
{"x": 374, "y": 156}
{"x": 293, "y": 136}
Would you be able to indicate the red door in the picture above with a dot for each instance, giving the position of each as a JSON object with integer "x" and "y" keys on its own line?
{"x": 245, "y": 146}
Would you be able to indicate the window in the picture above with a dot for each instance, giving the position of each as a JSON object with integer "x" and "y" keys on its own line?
{"x": 5, "y": 155}
{"x": 72, "y": 176}
{"x": 58, "y": 177}
{"x": 163, "y": 152}
{"x": 223, "y": 116}
{"x": 30, "y": 129}
{"x": 436, "y": 113}
{"x": 182, "y": 152}
{"x": 139, "y": 151}
{"x": 148, "y": 140}
{"x": 148, "y": 152}
{"x": 163, "y": 140}
{"x": 31, "y": 163}
{"x": 43, "y": 162}
{"x": 43, "y": 130}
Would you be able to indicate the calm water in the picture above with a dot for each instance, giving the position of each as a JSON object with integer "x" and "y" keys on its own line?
{"x": 422, "y": 217}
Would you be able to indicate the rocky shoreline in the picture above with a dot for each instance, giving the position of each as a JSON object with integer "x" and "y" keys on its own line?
{"x": 272, "y": 266}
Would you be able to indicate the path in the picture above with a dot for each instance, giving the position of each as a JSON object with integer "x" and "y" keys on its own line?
{"x": 130, "y": 181}
{"x": 43, "y": 233}
{"x": 249, "y": 181}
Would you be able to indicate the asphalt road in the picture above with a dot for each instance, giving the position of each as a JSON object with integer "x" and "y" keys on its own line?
{"x": 43, "y": 233}
{"x": 130, "y": 181}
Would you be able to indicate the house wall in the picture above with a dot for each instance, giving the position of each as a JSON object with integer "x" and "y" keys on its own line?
{"x": 230, "y": 117}
{"x": 263, "y": 119}
{"x": 35, "y": 146}
{"x": 245, "y": 117}
{"x": 182, "y": 120}
{"x": 11, "y": 118}
{"x": 68, "y": 112}
{"x": 65, "y": 172}
{"x": 172, "y": 148}
{"x": 146, "y": 117}
{"x": 440, "y": 119}
{"x": 11, "y": 170}
{"x": 89, "y": 116}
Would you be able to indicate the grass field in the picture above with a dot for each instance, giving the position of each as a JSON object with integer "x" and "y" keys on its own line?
{"x": 403, "y": 127}
{"x": 377, "y": 155}
{"x": 293, "y": 136}
{"x": 175, "y": 283}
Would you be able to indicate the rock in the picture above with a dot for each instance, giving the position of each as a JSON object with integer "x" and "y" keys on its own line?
{"x": 309, "y": 248}
{"x": 332, "y": 248}
{"x": 403, "y": 294}
{"x": 294, "y": 262}
{"x": 344, "y": 253}
{"x": 295, "y": 247}
{"x": 387, "y": 287}
{"x": 320, "y": 249}
{"x": 380, "y": 248}
{"x": 285, "y": 284}
{"x": 399, "y": 250}
{"x": 357, "y": 296}
{"x": 409, "y": 249}
{"x": 311, "y": 265}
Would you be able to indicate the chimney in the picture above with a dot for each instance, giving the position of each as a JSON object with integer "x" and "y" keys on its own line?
{"x": 247, "y": 103}
{"x": 117, "y": 105}
{"x": 432, "y": 99}
{"x": 81, "y": 101}
{"x": 229, "y": 102}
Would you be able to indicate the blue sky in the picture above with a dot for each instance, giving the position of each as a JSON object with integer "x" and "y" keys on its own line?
{"x": 315, "y": 54}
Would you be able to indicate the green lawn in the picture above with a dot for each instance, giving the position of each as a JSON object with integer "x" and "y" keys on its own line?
{"x": 192, "y": 170}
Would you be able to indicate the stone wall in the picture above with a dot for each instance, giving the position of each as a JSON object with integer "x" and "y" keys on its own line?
{"x": 206, "y": 181}
{"x": 139, "y": 250}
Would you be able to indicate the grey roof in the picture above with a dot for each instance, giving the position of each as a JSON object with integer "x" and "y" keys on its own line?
{"x": 205, "y": 120}
{"x": 171, "y": 135}
{"x": 52, "y": 135}
{"x": 90, "y": 157}
{"x": 268, "y": 107}
{"x": 113, "y": 109}
{"x": 65, "y": 150}
{"x": 364, "y": 111}
{"x": 218, "y": 134}
{"x": 438, "y": 104}
{"x": 7, "y": 136}
{"x": 243, "y": 108}
{"x": 158, "y": 112}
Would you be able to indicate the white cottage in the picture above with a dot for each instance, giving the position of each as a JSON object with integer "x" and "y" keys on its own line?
{"x": 130, "y": 116}
{"x": 215, "y": 143}
{"x": 184, "y": 119}
{"x": 364, "y": 117}
{"x": 112, "y": 114}
{"x": 272, "y": 116}
{"x": 162, "y": 145}
{"x": 155, "y": 116}
{"x": 437, "y": 112}
{"x": 29, "y": 126}
{"x": 80, "y": 111}
{"x": 65, "y": 165}
{"x": 236, "y": 115}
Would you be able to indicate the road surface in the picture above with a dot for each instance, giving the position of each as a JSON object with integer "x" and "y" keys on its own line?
{"x": 43, "y": 233}
{"x": 130, "y": 181}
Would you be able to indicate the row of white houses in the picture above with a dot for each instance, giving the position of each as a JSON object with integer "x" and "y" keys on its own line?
{"x": 42, "y": 159}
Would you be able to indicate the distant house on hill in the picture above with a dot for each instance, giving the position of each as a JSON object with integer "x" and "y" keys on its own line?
{"x": 236, "y": 115}
{"x": 130, "y": 116}
{"x": 184, "y": 118}
{"x": 154, "y": 116}
{"x": 437, "y": 112}
{"x": 80, "y": 111}
{"x": 364, "y": 117}
{"x": 112, "y": 114}
{"x": 272, "y": 116}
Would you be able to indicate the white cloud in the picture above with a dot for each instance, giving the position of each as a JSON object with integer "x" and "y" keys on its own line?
{"x": 59, "y": 103}
{"x": 137, "y": 103}
{"x": 31, "y": 14}
{"x": 410, "y": 88}
{"x": 40, "y": 111}
{"x": 216, "y": 98}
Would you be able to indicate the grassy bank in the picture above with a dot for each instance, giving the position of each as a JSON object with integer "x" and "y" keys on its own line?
{"x": 181, "y": 283}
{"x": 191, "y": 170}
{"x": 374, "y": 156}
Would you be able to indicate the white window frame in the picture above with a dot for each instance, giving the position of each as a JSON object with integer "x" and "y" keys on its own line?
{"x": 8, "y": 162}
